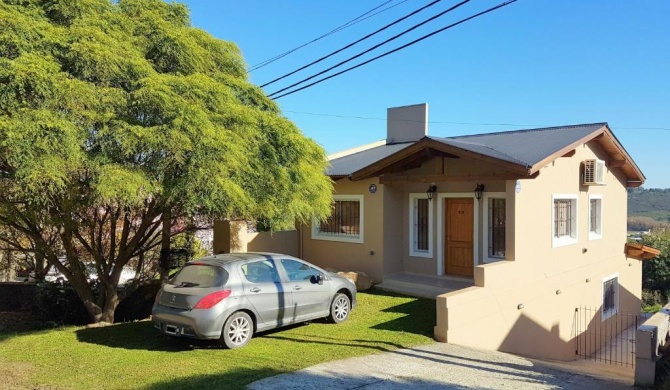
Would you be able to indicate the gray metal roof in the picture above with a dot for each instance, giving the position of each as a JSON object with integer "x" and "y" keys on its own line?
{"x": 346, "y": 165}
{"x": 524, "y": 147}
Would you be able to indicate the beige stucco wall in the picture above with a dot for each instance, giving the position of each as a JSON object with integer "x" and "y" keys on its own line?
{"x": 233, "y": 237}
{"x": 548, "y": 282}
{"x": 367, "y": 256}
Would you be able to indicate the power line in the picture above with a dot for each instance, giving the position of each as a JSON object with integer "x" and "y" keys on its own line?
{"x": 393, "y": 38}
{"x": 352, "y": 44}
{"x": 456, "y": 123}
{"x": 350, "y": 23}
{"x": 399, "y": 48}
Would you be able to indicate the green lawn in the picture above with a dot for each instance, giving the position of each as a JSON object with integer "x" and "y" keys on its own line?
{"x": 134, "y": 355}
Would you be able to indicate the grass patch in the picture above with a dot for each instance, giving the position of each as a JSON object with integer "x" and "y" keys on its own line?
{"x": 134, "y": 355}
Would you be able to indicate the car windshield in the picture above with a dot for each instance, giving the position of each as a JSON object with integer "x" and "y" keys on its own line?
{"x": 200, "y": 275}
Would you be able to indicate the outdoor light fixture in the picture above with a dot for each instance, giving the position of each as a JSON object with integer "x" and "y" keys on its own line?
{"x": 432, "y": 188}
{"x": 479, "y": 190}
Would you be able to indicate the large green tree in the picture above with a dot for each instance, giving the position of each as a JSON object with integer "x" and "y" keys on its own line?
{"x": 656, "y": 272}
{"x": 116, "y": 116}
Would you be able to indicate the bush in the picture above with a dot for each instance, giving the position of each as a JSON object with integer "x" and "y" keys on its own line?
{"x": 137, "y": 305}
{"x": 653, "y": 298}
{"x": 59, "y": 303}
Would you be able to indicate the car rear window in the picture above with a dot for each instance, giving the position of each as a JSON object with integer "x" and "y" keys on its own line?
{"x": 200, "y": 275}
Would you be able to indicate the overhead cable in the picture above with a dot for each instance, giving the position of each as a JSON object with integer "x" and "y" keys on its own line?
{"x": 393, "y": 38}
{"x": 395, "y": 50}
{"x": 352, "y": 44}
{"x": 350, "y": 23}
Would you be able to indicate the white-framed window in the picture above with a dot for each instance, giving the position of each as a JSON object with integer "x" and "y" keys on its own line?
{"x": 595, "y": 217}
{"x": 564, "y": 220}
{"x": 420, "y": 225}
{"x": 494, "y": 226}
{"x": 610, "y": 296}
{"x": 345, "y": 222}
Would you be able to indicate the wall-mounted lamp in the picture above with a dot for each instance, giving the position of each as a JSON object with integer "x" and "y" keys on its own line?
{"x": 479, "y": 190}
{"x": 432, "y": 188}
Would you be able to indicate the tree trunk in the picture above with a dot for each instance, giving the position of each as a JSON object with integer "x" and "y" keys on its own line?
{"x": 165, "y": 246}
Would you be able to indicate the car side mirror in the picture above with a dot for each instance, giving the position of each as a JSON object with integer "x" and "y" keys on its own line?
{"x": 316, "y": 279}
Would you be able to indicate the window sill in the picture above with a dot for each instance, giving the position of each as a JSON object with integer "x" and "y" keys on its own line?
{"x": 488, "y": 260}
{"x": 349, "y": 239}
{"x": 427, "y": 254}
{"x": 563, "y": 241}
{"x": 593, "y": 236}
{"x": 609, "y": 314}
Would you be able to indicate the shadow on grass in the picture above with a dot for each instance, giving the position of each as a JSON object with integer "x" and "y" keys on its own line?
{"x": 234, "y": 379}
{"x": 143, "y": 336}
{"x": 140, "y": 335}
{"x": 418, "y": 318}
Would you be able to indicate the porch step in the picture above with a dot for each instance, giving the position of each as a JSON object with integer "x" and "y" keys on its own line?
{"x": 423, "y": 286}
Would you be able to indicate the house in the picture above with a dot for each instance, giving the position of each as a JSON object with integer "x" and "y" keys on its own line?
{"x": 518, "y": 228}
{"x": 510, "y": 231}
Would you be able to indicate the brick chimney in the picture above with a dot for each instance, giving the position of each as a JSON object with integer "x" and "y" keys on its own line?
{"x": 406, "y": 123}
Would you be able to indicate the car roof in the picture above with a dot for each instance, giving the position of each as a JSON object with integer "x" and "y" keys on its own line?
{"x": 226, "y": 258}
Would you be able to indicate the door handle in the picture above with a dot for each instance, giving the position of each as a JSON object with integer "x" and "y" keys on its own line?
{"x": 255, "y": 289}
{"x": 297, "y": 288}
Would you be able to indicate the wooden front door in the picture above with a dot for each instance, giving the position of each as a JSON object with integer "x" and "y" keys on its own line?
{"x": 459, "y": 236}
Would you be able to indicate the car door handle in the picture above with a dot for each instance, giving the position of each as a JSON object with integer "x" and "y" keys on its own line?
{"x": 297, "y": 288}
{"x": 255, "y": 289}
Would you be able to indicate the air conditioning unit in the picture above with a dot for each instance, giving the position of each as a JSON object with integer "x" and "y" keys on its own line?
{"x": 594, "y": 172}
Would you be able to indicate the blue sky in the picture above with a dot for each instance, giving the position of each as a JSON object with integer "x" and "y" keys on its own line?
{"x": 534, "y": 62}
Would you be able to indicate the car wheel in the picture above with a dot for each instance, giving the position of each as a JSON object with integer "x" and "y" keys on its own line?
{"x": 339, "y": 308}
{"x": 237, "y": 330}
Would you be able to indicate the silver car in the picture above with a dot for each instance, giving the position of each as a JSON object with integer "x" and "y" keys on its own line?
{"x": 232, "y": 296}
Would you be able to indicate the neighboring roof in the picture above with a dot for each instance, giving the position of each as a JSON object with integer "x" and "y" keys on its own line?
{"x": 641, "y": 252}
{"x": 344, "y": 166}
{"x": 524, "y": 151}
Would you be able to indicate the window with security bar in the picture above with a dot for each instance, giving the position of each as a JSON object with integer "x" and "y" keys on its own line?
{"x": 564, "y": 224}
{"x": 610, "y": 297}
{"x": 420, "y": 230}
{"x": 345, "y": 221}
{"x": 496, "y": 239}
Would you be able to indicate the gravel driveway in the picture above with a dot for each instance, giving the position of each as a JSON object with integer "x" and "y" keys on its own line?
{"x": 439, "y": 365}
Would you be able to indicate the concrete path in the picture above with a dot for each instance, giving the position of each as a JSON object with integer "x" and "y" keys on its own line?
{"x": 434, "y": 366}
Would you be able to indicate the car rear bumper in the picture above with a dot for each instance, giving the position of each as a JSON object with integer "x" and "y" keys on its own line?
{"x": 199, "y": 324}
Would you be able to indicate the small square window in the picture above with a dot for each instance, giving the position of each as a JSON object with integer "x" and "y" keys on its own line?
{"x": 345, "y": 222}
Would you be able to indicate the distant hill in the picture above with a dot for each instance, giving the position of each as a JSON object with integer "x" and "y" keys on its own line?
{"x": 653, "y": 203}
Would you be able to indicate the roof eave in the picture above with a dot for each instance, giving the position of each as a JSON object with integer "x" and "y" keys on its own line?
{"x": 373, "y": 169}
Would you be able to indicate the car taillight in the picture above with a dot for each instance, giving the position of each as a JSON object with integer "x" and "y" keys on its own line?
{"x": 212, "y": 299}
{"x": 158, "y": 297}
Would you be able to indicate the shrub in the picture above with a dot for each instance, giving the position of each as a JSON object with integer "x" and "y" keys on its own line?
{"x": 59, "y": 303}
{"x": 137, "y": 305}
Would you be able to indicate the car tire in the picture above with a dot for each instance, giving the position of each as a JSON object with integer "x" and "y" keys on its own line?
{"x": 237, "y": 330}
{"x": 339, "y": 308}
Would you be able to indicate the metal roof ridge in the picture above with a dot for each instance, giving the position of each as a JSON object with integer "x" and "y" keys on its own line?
{"x": 490, "y": 148}
{"x": 594, "y": 124}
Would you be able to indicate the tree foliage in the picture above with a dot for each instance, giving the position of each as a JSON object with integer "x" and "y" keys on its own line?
{"x": 656, "y": 272}
{"x": 112, "y": 113}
